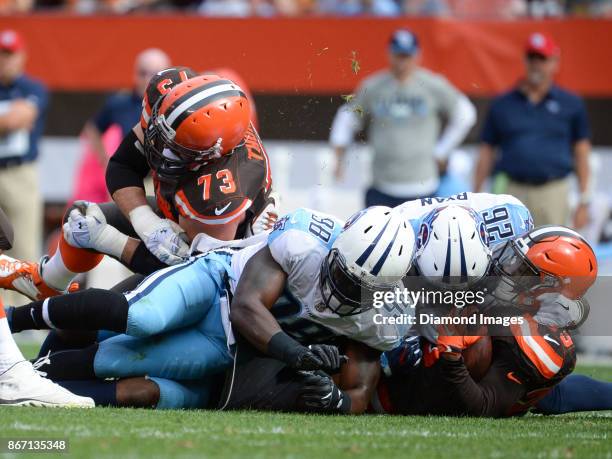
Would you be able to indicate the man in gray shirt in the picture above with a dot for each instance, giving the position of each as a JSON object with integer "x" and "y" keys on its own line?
{"x": 402, "y": 107}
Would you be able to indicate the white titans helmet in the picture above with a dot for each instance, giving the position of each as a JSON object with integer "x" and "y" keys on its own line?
{"x": 373, "y": 252}
{"x": 453, "y": 247}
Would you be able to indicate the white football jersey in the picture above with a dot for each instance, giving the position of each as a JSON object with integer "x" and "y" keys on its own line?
{"x": 504, "y": 216}
{"x": 299, "y": 243}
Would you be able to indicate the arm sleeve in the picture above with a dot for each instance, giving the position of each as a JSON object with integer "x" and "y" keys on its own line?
{"x": 580, "y": 124}
{"x": 128, "y": 166}
{"x": 493, "y": 396}
{"x": 461, "y": 120}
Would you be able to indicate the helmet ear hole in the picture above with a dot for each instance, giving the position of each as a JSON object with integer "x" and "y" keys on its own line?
{"x": 367, "y": 229}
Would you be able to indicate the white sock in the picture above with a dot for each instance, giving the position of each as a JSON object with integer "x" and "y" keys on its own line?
{"x": 9, "y": 352}
{"x": 54, "y": 272}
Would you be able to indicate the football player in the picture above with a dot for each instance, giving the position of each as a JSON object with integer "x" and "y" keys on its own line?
{"x": 528, "y": 362}
{"x": 20, "y": 383}
{"x": 211, "y": 175}
{"x": 174, "y": 326}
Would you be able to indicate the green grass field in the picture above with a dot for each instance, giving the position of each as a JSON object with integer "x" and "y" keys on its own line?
{"x": 125, "y": 433}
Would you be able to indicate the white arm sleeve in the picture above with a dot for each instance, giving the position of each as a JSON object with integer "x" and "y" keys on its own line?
{"x": 346, "y": 123}
{"x": 459, "y": 124}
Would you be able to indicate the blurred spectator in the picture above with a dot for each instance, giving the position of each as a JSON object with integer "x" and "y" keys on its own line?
{"x": 426, "y": 7}
{"x": 15, "y": 6}
{"x": 540, "y": 133}
{"x": 403, "y": 107}
{"x": 544, "y": 8}
{"x": 104, "y": 132}
{"x": 23, "y": 105}
{"x": 245, "y": 8}
{"x": 357, "y": 7}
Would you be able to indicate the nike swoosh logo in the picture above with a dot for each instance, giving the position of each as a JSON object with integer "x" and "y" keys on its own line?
{"x": 562, "y": 305}
{"x": 511, "y": 377}
{"x": 548, "y": 338}
{"x": 223, "y": 209}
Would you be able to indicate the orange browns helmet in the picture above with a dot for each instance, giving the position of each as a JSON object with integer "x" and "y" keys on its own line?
{"x": 197, "y": 121}
{"x": 548, "y": 259}
{"x": 159, "y": 85}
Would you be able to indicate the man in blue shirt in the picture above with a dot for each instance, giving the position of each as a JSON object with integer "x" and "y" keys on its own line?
{"x": 124, "y": 108}
{"x": 534, "y": 137}
{"x": 23, "y": 105}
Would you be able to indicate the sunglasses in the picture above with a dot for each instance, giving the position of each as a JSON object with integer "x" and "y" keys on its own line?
{"x": 536, "y": 57}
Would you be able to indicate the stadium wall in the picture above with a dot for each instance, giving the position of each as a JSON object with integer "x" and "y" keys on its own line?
{"x": 299, "y": 68}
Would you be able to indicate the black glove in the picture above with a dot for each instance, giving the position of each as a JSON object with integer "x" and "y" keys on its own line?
{"x": 320, "y": 394}
{"x": 316, "y": 357}
{"x": 330, "y": 356}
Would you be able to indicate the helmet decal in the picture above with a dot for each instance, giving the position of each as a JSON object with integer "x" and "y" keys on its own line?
{"x": 379, "y": 264}
{"x": 423, "y": 235}
{"x": 353, "y": 218}
{"x": 463, "y": 264}
{"x": 364, "y": 256}
{"x": 482, "y": 232}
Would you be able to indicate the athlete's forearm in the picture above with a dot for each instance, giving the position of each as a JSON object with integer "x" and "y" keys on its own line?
{"x": 493, "y": 396}
{"x": 261, "y": 284}
{"x": 254, "y": 322}
{"x": 359, "y": 376}
{"x": 129, "y": 250}
{"x": 130, "y": 198}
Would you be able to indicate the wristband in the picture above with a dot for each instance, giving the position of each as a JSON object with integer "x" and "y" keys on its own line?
{"x": 283, "y": 347}
{"x": 143, "y": 219}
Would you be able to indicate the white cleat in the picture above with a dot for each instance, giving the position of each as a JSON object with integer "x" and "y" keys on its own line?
{"x": 22, "y": 385}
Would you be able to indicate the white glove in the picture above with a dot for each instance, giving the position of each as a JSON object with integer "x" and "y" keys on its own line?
{"x": 86, "y": 228}
{"x": 559, "y": 311}
{"x": 161, "y": 236}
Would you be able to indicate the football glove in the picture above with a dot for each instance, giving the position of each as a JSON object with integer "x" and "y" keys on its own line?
{"x": 164, "y": 238}
{"x": 320, "y": 394}
{"x": 329, "y": 356}
{"x": 315, "y": 357}
{"x": 404, "y": 358}
{"x": 86, "y": 228}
